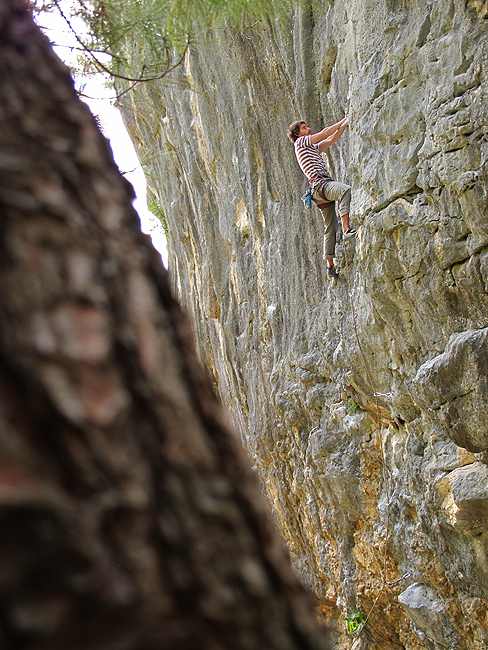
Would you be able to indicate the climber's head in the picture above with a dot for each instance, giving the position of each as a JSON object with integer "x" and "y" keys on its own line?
{"x": 296, "y": 129}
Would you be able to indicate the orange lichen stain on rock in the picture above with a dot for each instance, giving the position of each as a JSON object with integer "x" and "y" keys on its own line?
{"x": 475, "y": 622}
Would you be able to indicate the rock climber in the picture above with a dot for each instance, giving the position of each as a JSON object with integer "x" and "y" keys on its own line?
{"x": 324, "y": 191}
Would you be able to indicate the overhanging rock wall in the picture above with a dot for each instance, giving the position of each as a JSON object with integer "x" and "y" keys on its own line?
{"x": 278, "y": 334}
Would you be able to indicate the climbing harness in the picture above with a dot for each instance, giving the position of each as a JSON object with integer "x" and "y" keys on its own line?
{"x": 315, "y": 188}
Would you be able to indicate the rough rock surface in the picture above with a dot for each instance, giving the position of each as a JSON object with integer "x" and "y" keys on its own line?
{"x": 365, "y": 488}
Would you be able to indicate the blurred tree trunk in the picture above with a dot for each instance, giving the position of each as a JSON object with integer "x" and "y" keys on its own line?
{"x": 129, "y": 517}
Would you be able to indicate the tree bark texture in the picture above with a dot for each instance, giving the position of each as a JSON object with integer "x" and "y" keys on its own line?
{"x": 129, "y": 516}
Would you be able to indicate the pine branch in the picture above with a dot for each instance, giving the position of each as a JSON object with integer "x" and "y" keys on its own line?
{"x": 103, "y": 68}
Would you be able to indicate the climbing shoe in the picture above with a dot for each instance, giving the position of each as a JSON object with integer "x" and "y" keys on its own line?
{"x": 350, "y": 233}
{"x": 333, "y": 272}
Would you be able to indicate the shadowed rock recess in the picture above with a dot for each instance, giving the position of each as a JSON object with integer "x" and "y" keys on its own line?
{"x": 278, "y": 334}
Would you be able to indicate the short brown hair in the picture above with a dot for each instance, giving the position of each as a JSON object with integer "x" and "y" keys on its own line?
{"x": 294, "y": 130}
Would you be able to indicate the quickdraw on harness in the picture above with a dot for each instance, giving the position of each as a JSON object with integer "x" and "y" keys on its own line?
{"x": 307, "y": 198}
{"x": 316, "y": 188}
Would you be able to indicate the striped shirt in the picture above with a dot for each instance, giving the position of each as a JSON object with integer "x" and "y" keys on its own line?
{"x": 310, "y": 160}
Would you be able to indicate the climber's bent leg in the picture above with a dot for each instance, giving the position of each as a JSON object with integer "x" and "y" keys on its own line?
{"x": 340, "y": 192}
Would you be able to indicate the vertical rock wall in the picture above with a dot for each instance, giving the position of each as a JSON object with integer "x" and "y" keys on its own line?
{"x": 366, "y": 488}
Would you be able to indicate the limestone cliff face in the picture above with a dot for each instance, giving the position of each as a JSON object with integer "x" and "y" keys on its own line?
{"x": 366, "y": 489}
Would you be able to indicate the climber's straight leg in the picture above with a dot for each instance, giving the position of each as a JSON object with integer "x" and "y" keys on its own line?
{"x": 329, "y": 215}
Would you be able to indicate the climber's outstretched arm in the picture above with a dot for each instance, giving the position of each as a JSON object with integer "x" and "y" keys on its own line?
{"x": 329, "y": 131}
{"x": 325, "y": 144}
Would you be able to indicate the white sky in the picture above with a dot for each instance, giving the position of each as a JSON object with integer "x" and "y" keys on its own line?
{"x": 111, "y": 120}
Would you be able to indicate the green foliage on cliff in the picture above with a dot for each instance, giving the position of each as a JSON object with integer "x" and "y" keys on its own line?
{"x": 157, "y": 211}
{"x": 124, "y": 33}
{"x": 355, "y": 622}
{"x": 352, "y": 407}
